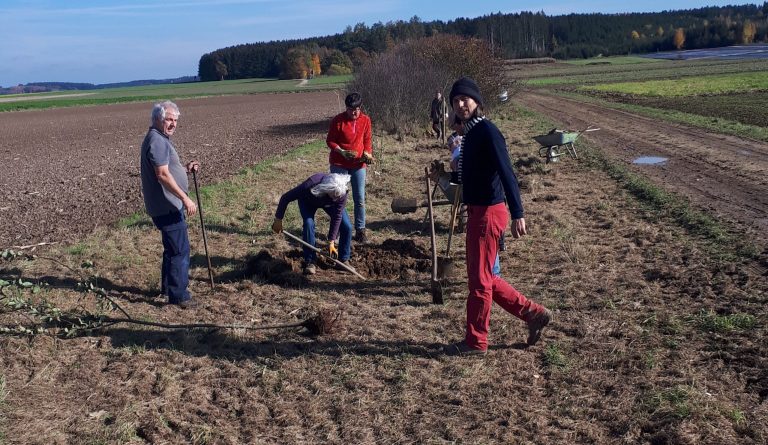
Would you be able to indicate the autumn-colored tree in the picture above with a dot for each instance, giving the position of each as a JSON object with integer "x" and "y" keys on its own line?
{"x": 316, "y": 64}
{"x": 295, "y": 64}
{"x": 221, "y": 70}
{"x": 748, "y": 32}
{"x": 358, "y": 56}
{"x": 635, "y": 35}
{"x": 679, "y": 39}
{"x": 660, "y": 31}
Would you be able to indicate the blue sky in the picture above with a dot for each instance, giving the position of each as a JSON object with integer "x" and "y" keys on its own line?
{"x": 114, "y": 41}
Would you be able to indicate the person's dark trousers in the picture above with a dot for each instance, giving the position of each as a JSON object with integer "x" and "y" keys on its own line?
{"x": 175, "y": 270}
{"x": 308, "y": 234}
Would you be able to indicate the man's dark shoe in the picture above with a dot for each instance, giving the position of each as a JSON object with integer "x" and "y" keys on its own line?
{"x": 346, "y": 263}
{"x": 536, "y": 325}
{"x": 310, "y": 269}
{"x": 463, "y": 349}
{"x": 360, "y": 236}
{"x": 189, "y": 304}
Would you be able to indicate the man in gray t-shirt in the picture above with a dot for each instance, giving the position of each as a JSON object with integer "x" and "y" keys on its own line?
{"x": 164, "y": 184}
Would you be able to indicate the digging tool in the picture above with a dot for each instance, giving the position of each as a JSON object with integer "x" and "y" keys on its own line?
{"x": 304, "y": 243}
{"x": 437, "y": 289}
{"x": 410, "y": 205}
{"x": 202, "y": 225}
{"x": 454, "y": 213}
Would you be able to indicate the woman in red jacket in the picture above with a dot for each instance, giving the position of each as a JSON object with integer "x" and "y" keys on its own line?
{"x": 349, "y": 139}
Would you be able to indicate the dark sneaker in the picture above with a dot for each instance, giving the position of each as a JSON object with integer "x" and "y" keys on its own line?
{"x": 462, "y": 348}
{"x": 536, "y": 325}
{"x": 310, "y": 269}
{"x": 346, "y": 263}
{"x": 189, "y": 304}
{"x": 360, "y": 236}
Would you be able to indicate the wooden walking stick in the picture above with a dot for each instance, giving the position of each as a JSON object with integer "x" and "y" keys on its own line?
{"x": 202, "y": 225}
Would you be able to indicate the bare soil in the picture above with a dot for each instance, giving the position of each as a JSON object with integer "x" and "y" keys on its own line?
{"x": 656, "y": 339}
{"x": 726, "y": 175}
{"x": 82, "y": 168}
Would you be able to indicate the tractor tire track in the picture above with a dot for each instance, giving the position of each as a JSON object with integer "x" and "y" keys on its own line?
{"x": 725, "y": 175}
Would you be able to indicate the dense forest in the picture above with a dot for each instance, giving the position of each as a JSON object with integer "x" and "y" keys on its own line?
{"x": 520, "y": 35}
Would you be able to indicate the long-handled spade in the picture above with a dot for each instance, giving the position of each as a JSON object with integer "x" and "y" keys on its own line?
{"x": 437, "y": 288}
{"x": 202, "y": 225}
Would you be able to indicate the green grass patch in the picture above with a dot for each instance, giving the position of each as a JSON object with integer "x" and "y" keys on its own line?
{"x": 554, "y": 357}
{"x": 689, "y": 86}
{"x": 671, "y": 402}
{"x": 137, "y": 219}
{"x": 77, "y": 249}
{"x": 569, "y": 75}
{"x": 618, "y": 60}
{"x": 331, "y": 80}
{"x": 167, "y": 91}
{"x": 717, "y": 125}
{"x": 711, "y": 322}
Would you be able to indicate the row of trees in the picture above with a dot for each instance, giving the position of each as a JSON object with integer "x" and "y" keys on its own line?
{"x": 519, "y": 35}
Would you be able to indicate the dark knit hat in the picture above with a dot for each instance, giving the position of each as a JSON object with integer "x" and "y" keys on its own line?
{"x": 468, "y": 87}
{"x": 353, "y": 100}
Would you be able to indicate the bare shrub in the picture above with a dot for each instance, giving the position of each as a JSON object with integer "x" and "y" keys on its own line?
{"x": 398, "y": 85}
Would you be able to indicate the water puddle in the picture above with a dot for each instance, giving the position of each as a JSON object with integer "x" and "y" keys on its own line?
{"x": 650, "y": 160}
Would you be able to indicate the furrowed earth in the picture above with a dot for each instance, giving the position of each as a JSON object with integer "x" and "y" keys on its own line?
{"x": 659, "y": 333}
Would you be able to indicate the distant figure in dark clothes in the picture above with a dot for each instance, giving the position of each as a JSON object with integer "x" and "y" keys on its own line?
{"x": 437, "y": 113}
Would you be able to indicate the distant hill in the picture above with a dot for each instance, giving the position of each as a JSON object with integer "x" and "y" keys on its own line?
{"x": 46, "y": 87}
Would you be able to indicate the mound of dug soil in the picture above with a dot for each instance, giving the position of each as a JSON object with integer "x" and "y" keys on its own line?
{"x": 392, "y": 259}
{"x": 275, "y": 270}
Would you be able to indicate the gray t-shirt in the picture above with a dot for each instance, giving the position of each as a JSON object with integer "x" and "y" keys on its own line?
{"x": 157, "y": 150}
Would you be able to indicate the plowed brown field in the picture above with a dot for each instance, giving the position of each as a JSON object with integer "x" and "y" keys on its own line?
{"x": 65, "y": 171}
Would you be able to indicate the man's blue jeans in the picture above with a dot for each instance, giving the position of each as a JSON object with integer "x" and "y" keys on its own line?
{"x": 358, "y": 192}
{"x": 175, "y": 269}
{"x": 308, "y": 234}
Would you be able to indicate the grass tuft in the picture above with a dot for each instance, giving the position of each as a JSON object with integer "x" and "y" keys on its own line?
{"x": 711, "y": 322}
{"x": 554, "y": 357}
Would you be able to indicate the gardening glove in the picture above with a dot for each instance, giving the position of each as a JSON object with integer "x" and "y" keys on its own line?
{"x": 277, "y": 225}
{"x": 332, "y": 250}
{"x": 347, "y": 154}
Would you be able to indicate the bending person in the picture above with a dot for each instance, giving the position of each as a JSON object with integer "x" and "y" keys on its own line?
{"x": 327, "y": 191}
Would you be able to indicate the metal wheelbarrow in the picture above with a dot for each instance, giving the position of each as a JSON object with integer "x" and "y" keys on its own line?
{"x": 559, "y": 142}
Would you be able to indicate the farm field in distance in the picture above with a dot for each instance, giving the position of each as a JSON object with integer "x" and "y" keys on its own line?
{"x": 13, "y": 102}
{"x": 658, "y": 285}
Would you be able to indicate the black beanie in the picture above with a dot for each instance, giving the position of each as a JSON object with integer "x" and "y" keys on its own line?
{"x": 353, "y": 100}
{"x": 467, "y": 87}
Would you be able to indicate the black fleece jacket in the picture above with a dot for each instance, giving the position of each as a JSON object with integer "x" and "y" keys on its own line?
{"x": 486, "y": 170}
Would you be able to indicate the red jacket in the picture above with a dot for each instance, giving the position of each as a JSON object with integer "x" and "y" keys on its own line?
{"x": 349, "y": 134}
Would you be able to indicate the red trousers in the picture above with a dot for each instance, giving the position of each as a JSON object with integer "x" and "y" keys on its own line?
{"x": 484, "y": 227}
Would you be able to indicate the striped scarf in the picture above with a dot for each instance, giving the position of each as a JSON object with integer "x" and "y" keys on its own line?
{"x": 467, "y": 127}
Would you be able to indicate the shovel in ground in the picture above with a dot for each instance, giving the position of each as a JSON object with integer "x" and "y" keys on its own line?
{"x": 202, "y": 226}
{"x": 436, "y": 287}
{"x": 303, "y": 243}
